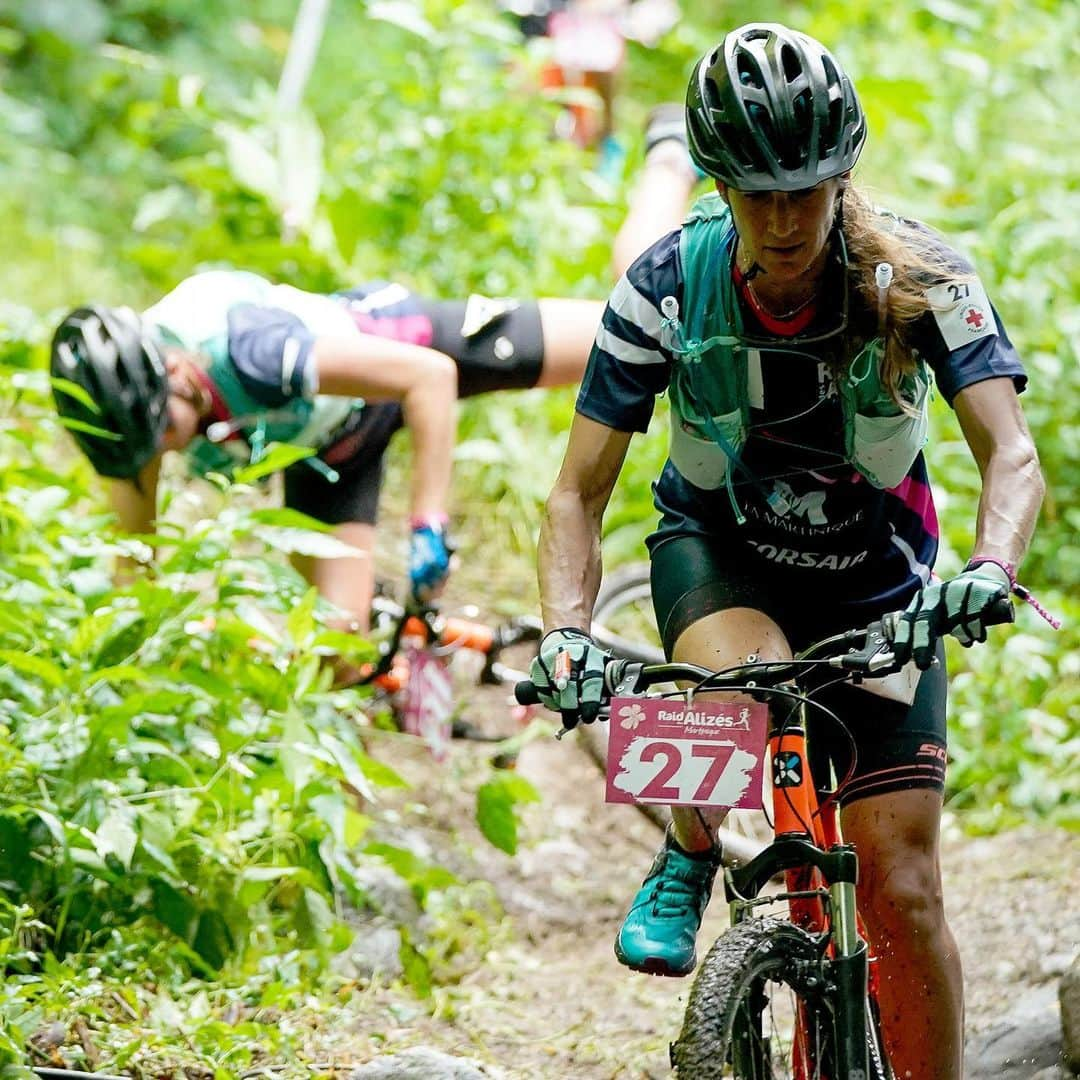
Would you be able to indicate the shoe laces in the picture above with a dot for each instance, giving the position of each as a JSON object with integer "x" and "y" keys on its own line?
{"x": 677, "y": 890}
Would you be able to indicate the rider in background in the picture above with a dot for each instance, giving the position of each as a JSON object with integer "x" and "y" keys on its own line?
{"x": 794, "y": 328}
{"x": 227, "y": 362}
{"x": 587, "y": 46}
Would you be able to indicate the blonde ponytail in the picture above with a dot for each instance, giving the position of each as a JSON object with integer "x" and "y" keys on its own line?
{"x": 872, "y": 238}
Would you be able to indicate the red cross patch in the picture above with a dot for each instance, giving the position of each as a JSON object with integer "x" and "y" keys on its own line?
{"x": 974, "y": 319}
{"x": 962, "y": 312}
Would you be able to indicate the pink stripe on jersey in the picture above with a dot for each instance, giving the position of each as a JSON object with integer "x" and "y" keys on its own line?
{"x": 918, "y": 498}
{"x": 414, "y": 329}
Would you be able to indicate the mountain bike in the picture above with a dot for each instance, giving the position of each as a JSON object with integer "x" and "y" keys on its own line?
{"x": 776, "y": 997}
{"x": 421, "y": 649}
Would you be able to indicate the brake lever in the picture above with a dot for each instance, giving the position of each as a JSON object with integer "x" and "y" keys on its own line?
{"x": 875, "y": 655}
{"x": 603, "y": 715}
{"x": 621, "y": 677}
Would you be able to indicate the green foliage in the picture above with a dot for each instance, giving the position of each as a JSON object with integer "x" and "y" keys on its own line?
{"x": 173, "y": 766}
{"x": 495, "y": 805}
{"x": 1015, "y": 758}
{"x": 181, "y": 792}
{"x": 170, "y": 751}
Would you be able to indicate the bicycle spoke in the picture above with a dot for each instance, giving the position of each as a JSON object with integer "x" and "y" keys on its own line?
{"x": 776, "y": 1047}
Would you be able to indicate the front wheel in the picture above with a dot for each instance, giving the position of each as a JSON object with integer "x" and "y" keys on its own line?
{"x": 759, "y": 1010}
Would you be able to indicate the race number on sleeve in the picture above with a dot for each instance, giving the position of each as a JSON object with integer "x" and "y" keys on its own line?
{"x": 962, "y": 312}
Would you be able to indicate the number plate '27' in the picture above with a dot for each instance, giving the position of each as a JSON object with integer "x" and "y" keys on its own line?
{"x": 707, "y": 754}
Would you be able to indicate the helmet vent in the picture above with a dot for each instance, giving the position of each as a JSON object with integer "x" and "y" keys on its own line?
{"x": 767, "y": 135}
{"x": 835, "y": 125}
{"x": 749, "y": 72}
{"x": 802, "y": 108}
{"x": 790, "y": 63}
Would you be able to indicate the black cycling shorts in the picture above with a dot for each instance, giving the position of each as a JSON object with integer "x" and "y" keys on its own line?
{"x": 892, "y": 746}
{"x": 506, "y": 352}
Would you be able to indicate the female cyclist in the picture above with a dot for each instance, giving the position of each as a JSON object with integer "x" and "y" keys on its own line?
{"x": 795, "y": 328}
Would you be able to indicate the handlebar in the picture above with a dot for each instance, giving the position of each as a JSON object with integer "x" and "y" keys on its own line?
{"x": 525, "y": 693}
{"x": 874, "y": 660}
{"x": 1002, "y": 612}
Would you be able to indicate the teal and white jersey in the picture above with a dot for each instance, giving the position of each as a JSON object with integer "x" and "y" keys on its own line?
{"x": 257, "y": 339}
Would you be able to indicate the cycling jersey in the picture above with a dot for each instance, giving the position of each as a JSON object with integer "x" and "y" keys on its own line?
{"x": 806, "y": 509}
{"x": 255, "y": 341}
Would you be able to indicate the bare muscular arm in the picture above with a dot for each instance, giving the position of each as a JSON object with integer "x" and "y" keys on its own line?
{"x": 135, "y": 509}
{"x": 569, "y": 556}
{"x": 1012, "y": 482}
{"x": 423, "y": 380}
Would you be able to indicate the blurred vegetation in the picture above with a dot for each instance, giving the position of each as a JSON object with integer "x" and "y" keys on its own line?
{"x": 171, "y": 793}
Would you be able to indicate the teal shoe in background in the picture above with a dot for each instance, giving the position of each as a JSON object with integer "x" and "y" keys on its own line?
{"x": 659, "y": 933}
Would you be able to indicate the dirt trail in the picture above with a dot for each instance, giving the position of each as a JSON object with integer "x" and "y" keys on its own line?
{"x": 553, "y": 1002}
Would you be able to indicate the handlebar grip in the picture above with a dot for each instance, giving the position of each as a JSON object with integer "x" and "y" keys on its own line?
{"x": 525, "y": 693}
{"x": 1002, "y": 612}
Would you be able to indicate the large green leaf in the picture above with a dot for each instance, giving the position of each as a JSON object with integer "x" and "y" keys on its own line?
{"x": 496, "y": 804}
{"x": 37, "y": 666}
{"x": 278, "y": 456}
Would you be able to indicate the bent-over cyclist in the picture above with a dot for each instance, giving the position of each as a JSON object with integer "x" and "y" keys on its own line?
{"x": 228, "y": 361}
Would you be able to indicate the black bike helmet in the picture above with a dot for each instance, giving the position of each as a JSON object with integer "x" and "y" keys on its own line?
{"x": 769, "y": 109}
{"x": 109, "y": 354}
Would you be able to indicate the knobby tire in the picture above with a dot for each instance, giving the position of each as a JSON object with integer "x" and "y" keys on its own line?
{"x": 734, "y": 1027}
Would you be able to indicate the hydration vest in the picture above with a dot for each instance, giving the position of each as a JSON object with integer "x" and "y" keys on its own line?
{"x": 710, "y": 402}
{"x": 298, "y": 421}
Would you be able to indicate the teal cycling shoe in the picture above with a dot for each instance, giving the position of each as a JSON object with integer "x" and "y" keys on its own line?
{"x": 659, "y": 932}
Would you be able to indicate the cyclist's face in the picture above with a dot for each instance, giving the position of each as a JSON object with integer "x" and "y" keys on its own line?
{"x": 183, "y": 424}
{"x": 182, "y": 405}
{"x": 784, "y": 232}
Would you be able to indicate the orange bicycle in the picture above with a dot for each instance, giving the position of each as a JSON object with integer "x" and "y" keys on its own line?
{"x": 776, "y": 997}
{"x": 419, "y": 646}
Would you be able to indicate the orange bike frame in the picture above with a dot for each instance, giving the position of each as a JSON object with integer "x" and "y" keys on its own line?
{"x": 796, "y": 810}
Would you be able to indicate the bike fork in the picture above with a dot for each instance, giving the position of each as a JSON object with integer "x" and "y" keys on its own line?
{"x": 848, "y": 971}
{"x": 796, "y": 811}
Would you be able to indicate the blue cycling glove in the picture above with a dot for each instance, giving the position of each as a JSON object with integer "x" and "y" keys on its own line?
{"x": 572, "y": 685}
{"x": 429, "y": 557}
{"x": 957, "y": 606}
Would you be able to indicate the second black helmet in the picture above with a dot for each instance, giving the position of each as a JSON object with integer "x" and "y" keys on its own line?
{"x": 120, "y": 417}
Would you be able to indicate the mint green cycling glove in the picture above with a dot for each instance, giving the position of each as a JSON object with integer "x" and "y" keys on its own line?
{"x": 959, "y": 606}
{"x": 574, "y": 685}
